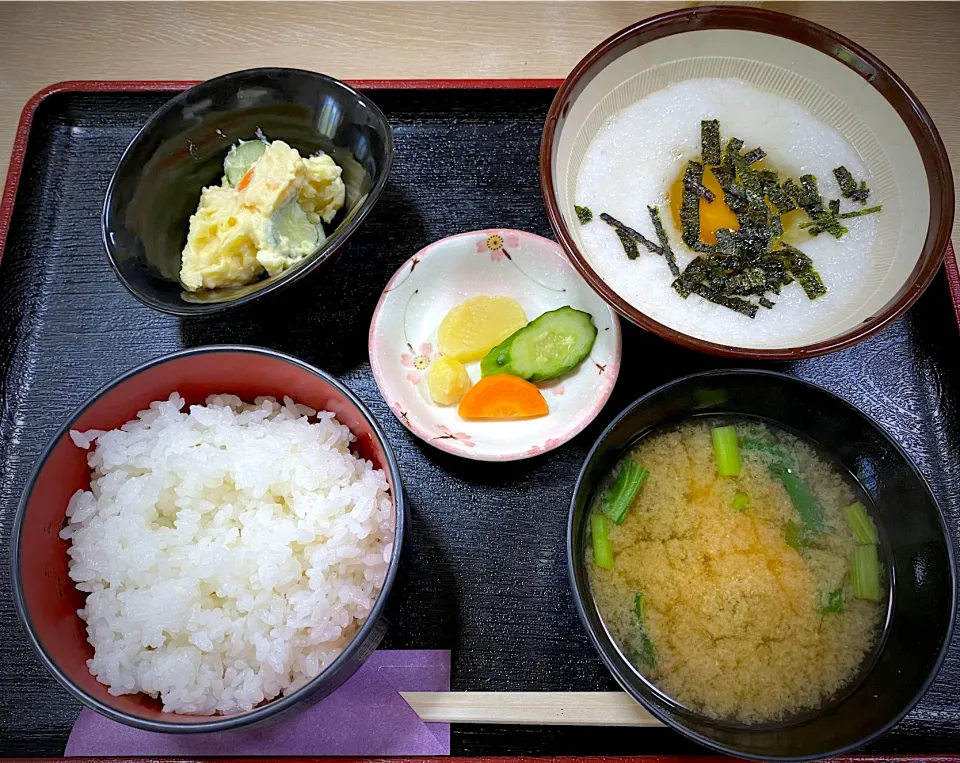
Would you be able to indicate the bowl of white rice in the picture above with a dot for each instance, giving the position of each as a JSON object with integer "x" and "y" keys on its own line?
{"x": 746, "y": 183}
{"x": 209, "y": 541}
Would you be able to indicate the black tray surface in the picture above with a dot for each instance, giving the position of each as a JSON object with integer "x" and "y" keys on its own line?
{"x": 486, "y": 574}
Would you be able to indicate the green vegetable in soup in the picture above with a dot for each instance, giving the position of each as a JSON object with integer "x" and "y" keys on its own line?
{"x": 865, "y": 572}
{"x": 834, "y": 603}
{"x": 757, "y": 444}
{"x": 619, "y": 498}
{"x": 726, "y": 451}
{"x": 639, "y": 604}
{"x": 804, "y": 501}
{"x": 602, "y": 549}
{"x": 740, "y": 501}
{"x": 584, "y": 215}
{"x": 799, "y": 537}
{"x": 643, "y": 651}
{"x": 860, "y": 523}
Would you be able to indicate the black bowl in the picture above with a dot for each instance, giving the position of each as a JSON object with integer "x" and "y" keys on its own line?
{"x": 922, "y": 609}
{"x": 156, "y": 186}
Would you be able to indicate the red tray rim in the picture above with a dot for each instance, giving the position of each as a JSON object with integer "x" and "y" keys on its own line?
{"x": 14, "y": 171}
{"x": 19, "y": 149}
{"x": 500, "y": 759}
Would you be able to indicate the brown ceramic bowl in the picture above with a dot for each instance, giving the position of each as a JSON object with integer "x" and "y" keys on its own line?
{"x": 45, "y": 597}
{"x": 840, "y": 83}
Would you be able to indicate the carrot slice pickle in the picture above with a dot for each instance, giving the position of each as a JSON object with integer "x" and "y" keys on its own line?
{"x": 503, "y": 397}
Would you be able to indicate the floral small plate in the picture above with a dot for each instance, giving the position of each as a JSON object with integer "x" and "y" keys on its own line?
{"x": 530, "y": 269}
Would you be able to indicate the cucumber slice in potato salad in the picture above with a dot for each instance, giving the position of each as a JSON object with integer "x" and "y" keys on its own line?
{"x": 241, "y": 158}
{"x": 290, "y": 231}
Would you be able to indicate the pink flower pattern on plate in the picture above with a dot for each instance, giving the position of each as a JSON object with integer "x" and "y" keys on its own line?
{"x": 550, "y": 444}
{"x": 401, "y": 413}
{"x": 418, "y": 361}
{"x": 462, "y": 437}
{"x": 496, "y": 244}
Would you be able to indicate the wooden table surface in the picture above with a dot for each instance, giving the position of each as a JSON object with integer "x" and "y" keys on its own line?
{"x": 46, "y": 42}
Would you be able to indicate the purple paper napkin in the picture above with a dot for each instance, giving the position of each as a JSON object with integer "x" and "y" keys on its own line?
{"x": 365, "y": 716}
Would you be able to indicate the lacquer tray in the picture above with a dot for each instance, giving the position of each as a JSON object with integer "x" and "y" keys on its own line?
{"x": 486, "y": 574}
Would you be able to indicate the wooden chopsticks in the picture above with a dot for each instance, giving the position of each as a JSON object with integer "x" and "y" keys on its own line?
{"x": 530, "y": 708}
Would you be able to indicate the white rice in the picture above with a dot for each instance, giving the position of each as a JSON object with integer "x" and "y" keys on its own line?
{"x": 229, "y": 553}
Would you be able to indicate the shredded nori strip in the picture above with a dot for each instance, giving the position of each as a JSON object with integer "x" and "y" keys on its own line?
{"x": 861, "y": 212}
{"x": 754, "y": 156}
{"x": 710, "y": 141}
{"x": 726, "y": 173}
{"x": 751, "y": 281}
{"x": 801, "y": 267}
{"x": 743, "y": 267}
{"x": 828, "y": 224}
{"x": 706, "y": 277}
{"x": 792, "y": 190}
{"x": 668, "y": 254}
{"x": 690, "y": 206}
{"x": 777, "y": 274}
{"x": 770, "y": 182}
{"x": 584, "y": 215}
{"x": 701, "y": 270}
{"x": 749, "y": 240}
{"x": 776, "y": 226}
{"x": 768, "y": 178}
{"x": 702, "y": 191}
{"x": 808, "y": 197}
{"x": 738, "y": 304}
{"x": 626, "y": 229}
{"x": 845, "y": 180}
{"x": 756, "y": 211}
{"x": 812, "y": 283}
{"x": 629, "y": 244}
{"x": 849, "y": 186}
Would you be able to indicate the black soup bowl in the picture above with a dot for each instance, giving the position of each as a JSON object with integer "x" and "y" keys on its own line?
{"x": 181, "y": 148}
{"x": 921, "y": 566}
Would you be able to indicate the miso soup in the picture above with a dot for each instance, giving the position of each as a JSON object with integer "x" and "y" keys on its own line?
{"x": 738, "y": 569}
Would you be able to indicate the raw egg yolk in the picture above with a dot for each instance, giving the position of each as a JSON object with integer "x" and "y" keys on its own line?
{"x": 713, "y": 216}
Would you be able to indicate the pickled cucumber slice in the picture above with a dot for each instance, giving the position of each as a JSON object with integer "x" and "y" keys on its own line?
{"x": 546, "y": 347}
{"x": 241, "y": 158}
